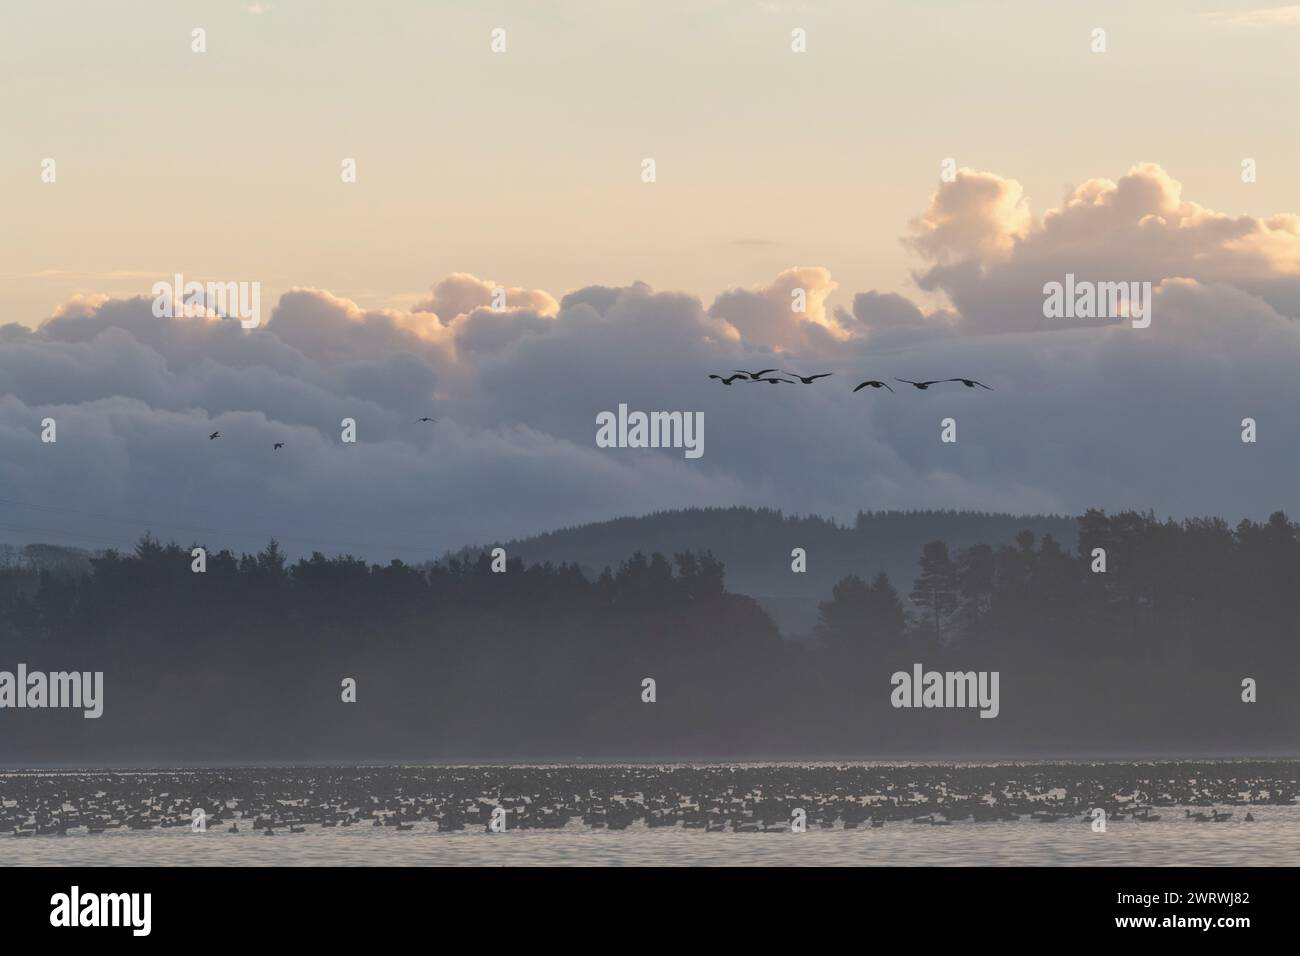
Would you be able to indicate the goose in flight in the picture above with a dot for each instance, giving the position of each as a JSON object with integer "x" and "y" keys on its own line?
{"x": 807, "y": 379}
{"x": 214, "y": 435}
{"x": 278, "y": 445}
{"x": 968, "y": 382}
{"x": 874, "y": 384}
{"x": 754, "y": 375}
{"x": 772, "y": 381}
{"x": 426, "y": 418}
{"x": 921, "y": 385}
{"x": 729, "y": 379}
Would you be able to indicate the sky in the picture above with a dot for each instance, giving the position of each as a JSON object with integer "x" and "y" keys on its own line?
{"x": 774, "y": 171}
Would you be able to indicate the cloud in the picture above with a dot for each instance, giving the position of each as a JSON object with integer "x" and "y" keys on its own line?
{"x": 1101, "y": 416}
{"x": 766, "y": 315}
{"x": 976, "y": 216}
{"x": 887, "y": 320}
{"x": 991, "y": 258}
{"x": 461, "y": 293}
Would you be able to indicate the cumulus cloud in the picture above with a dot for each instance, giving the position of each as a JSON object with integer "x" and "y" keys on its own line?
{"x": 461, "y": 293}
{"x": 991, "y": 259}
{"x": 887, "y": 320}
{"x": 1106, "y": 416}
{"x": 976, "y": 216}
{"x": 767, "y": 315}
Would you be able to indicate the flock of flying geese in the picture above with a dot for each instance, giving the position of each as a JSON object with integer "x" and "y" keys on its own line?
{"x": 747, "y": 376}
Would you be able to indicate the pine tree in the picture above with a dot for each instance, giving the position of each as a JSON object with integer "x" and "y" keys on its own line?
{"x": 935, "y": 590}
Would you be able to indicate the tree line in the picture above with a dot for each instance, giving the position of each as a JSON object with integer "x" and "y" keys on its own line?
{"x": 545, "y": 661}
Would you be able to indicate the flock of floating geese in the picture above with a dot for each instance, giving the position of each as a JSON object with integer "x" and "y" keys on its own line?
{"x": 738, "y": 799}
{"x": 743, "y": 375}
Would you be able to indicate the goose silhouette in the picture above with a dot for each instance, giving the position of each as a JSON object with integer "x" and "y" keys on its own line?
{"x": 754, "y": 375}
{"x": 214, "y": 435}
{"x": 728, "y": 379}
{"x": 277, "y": 446}
{"x": 807, "y": 379}
{"x": 921, "y": 385}
{"x": 968, "y": 382}
{"x": 874, "y": 384}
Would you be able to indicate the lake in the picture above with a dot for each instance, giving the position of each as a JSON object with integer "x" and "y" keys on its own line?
{"x": 567, "y": 815}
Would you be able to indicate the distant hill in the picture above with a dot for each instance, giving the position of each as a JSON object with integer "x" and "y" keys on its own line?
{"x": 754, "y": 545}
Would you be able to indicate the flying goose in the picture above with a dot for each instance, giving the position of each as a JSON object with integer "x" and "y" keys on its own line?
{"x": 921, "y": 385}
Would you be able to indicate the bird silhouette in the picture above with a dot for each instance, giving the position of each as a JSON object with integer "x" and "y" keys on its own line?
{"x": 214, "y": 435}
{"x": 773, "y": 381}
{"x": 873, "y": 383}
{"x": 807, "y": 379}
{"x": 426, "y": 419}
{"x": 968, "y": 382}
{"x": 921, "y": 385}
{"x": 754, "y": 375}
{"x": 278, "y": 445}
{"x": 729, "y": 379}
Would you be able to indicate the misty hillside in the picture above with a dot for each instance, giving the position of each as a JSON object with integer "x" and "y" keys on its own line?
{"x": 1185, "y": 644}
{"x": 754, "y": 545}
